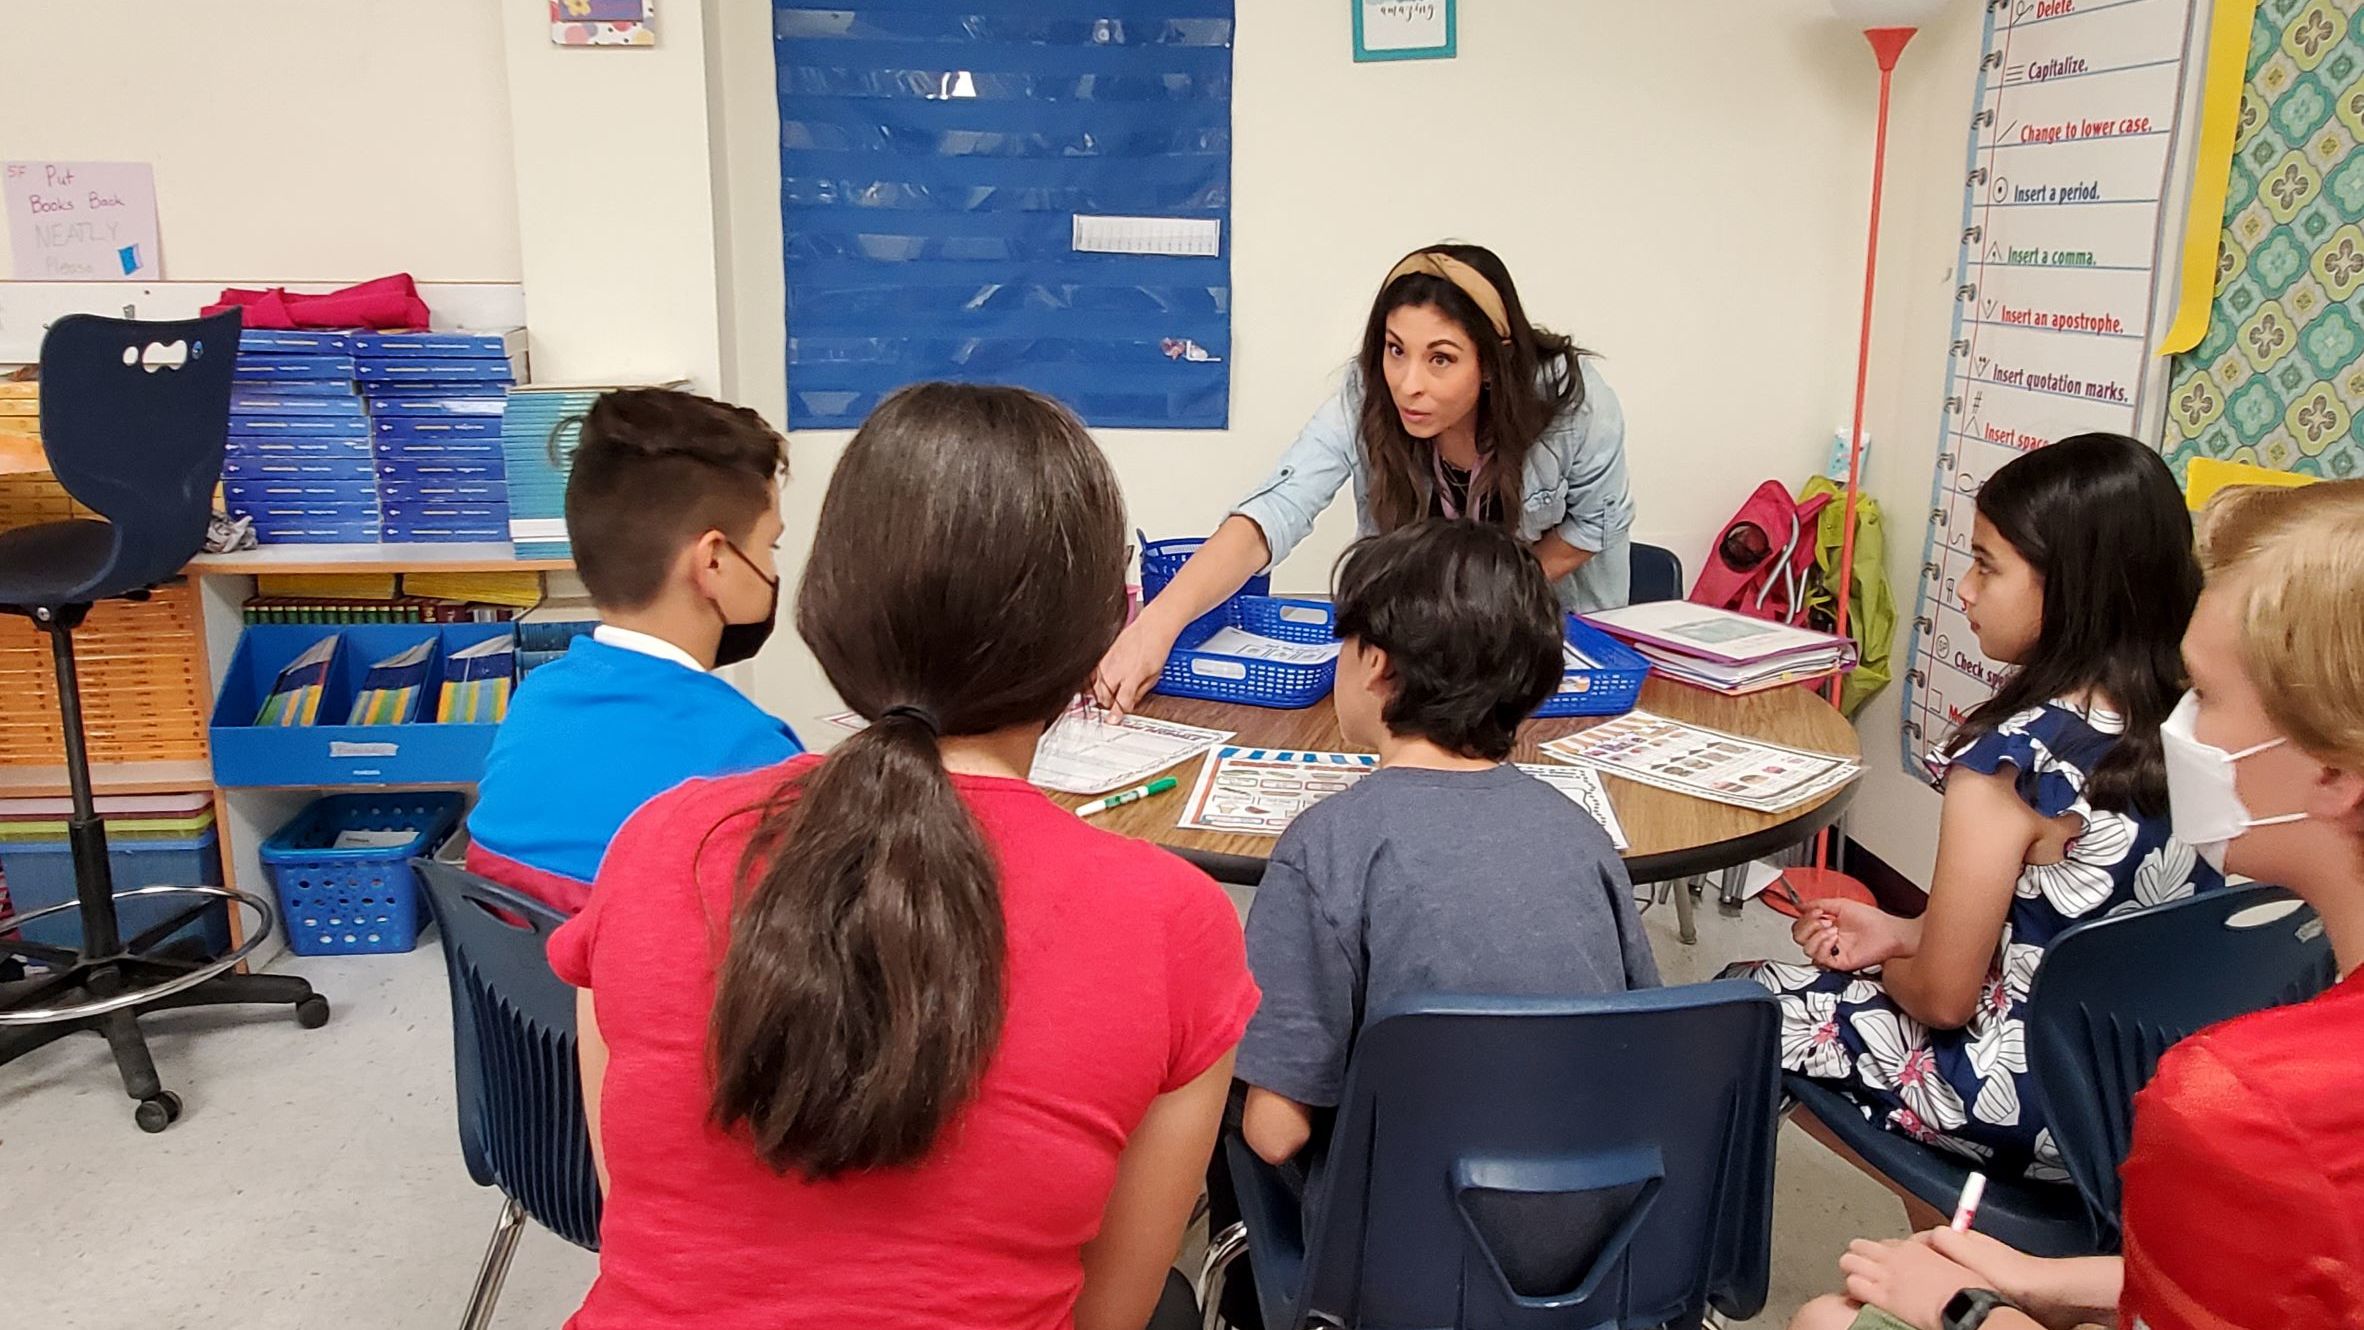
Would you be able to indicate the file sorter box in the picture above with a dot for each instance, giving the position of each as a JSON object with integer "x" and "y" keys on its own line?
{"x": 296, "y": 341}
{"x": 416, "y": 752}
{"x": 455, "y": 344}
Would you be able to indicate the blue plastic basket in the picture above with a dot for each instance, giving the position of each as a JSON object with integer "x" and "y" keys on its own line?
{"x": 1161, "y": 559}
{"x": 1611, "y": 690}
{"x": 1258, "y": 683}
{"x": 362, "y": 901}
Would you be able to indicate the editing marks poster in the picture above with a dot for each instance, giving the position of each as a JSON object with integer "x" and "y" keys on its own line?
{"x": 2064, "y": 217}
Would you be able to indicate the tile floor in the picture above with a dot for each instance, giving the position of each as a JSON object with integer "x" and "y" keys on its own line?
{"x": 314, "y": 1180}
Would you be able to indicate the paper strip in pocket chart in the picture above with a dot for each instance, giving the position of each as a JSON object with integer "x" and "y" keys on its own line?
{"x": 2063, "y": 275}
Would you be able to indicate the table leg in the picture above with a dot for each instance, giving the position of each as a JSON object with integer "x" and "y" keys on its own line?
{"x": 1686, "y": 921}
{"x": 1728, "y": 897}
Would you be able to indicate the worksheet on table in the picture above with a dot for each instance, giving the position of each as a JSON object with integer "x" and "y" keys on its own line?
{"x": 1086, "y": 753}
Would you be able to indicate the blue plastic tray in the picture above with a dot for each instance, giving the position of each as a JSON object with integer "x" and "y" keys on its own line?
{"x": 1161, "y": 559}
{"x": 358, "y": 900}
{"x": 1611, "y": 690}
{"x": 1259, "y": 683}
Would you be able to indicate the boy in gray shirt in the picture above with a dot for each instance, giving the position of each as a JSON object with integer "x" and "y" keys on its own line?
{"x": 1448, "y": 869}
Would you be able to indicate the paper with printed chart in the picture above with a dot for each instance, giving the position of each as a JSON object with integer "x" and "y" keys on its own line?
{"x": 1259, "y": 791}
{"x": 2071, "y": 218}
{"x": 1704, "y": 763}
{"x": 1583, "y": 787}
{"x": 1251, "y": 646}
{"x": 1087, "y": 753}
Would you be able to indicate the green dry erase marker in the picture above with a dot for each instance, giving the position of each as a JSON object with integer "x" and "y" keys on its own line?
{"x": 1123, "y": 797}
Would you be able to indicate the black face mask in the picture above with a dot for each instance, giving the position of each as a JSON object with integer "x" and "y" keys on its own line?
{"x": 740, "y": 641}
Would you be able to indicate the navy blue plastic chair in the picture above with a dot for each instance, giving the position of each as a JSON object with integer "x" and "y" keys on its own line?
{"x": 2111, "y": 997}
{"x": 520, "y": 1092}
{"x": 1656, "y": 574}
{"x": 134, "y": 417}
{"x": 1528, "y": 1164}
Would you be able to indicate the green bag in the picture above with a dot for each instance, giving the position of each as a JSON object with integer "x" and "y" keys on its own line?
{"x": 1871, "y": 608}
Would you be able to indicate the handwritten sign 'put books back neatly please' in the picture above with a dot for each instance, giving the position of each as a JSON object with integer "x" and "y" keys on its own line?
{"x": 81, "y": 221}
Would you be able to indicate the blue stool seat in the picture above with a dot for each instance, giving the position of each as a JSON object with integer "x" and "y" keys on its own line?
{"x": 2040, "y": 1218}
{"x": 52, "y": 564}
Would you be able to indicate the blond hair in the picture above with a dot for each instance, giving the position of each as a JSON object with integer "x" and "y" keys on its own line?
{"x": 2294, "y": 561}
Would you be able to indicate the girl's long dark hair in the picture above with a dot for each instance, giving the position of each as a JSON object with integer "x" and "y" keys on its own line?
{"x": 1530, "y": 379}
{"x": 967, "y": 574}
{"x": 2100, "y": 518}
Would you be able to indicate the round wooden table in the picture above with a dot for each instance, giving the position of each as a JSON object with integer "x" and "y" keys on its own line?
{"x": 1672, "y": 835}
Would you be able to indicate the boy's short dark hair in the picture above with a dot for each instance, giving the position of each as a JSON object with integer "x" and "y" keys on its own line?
{"x": 1471, "y": 628}
{"x": 655, "y": 470}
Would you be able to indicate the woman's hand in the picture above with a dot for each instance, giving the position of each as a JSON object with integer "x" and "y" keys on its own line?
{"x": 1133, "y": 662}
{"x": 1906, "y": 1279}
{"x": 1850, "y": 935}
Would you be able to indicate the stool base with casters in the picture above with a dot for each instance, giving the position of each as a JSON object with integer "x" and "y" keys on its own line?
{"x": 107, "y": 993}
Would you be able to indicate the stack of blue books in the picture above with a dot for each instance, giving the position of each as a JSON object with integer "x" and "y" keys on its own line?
{"x": 539, "y": 436}
{"x": 298, "y": 464}
{"x": 436, "y": 401}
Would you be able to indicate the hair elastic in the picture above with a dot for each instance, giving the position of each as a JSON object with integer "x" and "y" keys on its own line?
{"x": 1472, "y": 283}
{"x": 917, "y": 715}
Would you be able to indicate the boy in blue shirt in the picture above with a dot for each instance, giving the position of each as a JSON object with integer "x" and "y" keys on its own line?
{"x": 674, "y": 511}
{"x": 1448, "y": 869}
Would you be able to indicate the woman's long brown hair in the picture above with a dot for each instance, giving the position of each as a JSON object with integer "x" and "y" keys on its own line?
{"x": 967, "y": 574}
{"x": 1530, "y": 379}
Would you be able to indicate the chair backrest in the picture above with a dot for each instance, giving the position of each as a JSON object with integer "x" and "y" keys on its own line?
{"x": 1656, "y": 574}
{"x": 134, "y": 417}
{"x": 513, "y": 1035}
{"x": 2113, "y": 995}
{"x": 1527, "y": 1163}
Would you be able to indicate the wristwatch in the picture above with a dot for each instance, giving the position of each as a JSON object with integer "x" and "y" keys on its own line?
{"x": 1968, "y": 1309}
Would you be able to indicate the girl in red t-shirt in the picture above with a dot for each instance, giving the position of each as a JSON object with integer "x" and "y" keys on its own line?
{"x": 2244, "y": 1191}
{"x": 887, "y": 1038}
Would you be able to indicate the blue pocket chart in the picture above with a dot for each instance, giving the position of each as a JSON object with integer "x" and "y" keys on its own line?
{"x": 941, "y": 162}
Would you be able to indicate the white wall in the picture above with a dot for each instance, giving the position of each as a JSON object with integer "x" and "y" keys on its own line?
{"x": 1895, "y": 814}
{"x": 1679, "y": 185}
{"x": 294, "y": 140}
{"x": 615, "y": 201}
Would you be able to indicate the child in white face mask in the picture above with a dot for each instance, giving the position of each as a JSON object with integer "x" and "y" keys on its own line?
{"x": 2244, "y": 1193}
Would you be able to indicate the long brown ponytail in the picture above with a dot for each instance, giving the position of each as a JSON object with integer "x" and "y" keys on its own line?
{"x": 967, "y": 574}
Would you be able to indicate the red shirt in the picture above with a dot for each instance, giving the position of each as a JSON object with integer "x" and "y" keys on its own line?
{"x": 1127, "y": 977}
{"x": 559, "y": 892}
{"x": 2244, "y": 1196}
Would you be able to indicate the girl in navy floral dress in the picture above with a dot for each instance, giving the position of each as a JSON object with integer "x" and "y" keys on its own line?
{"x": 2055, "y": 809}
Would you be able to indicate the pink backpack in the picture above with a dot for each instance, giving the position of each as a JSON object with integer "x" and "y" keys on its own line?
{"x": 1763, "y": 560}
